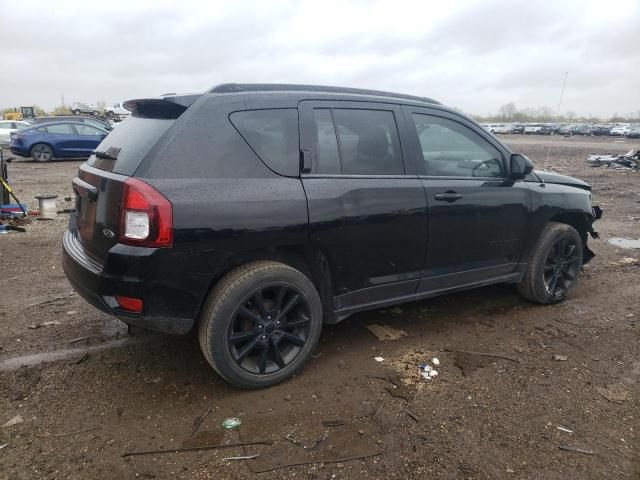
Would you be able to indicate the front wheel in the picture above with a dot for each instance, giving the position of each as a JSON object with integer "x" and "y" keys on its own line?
{"x": 554, "y": 265}
{"x": 41, "y": 152}
{"x": 260, "y": 324}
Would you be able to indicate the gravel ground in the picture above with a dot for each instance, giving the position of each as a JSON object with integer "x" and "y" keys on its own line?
{"x": 86, "y": 402}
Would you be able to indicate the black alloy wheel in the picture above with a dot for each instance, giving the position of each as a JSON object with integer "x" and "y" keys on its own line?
{"x": 269, "y": 329}
{"x": 561, "y": 267}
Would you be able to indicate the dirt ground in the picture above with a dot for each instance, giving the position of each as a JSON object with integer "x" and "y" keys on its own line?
{"x": 88, "y": 393}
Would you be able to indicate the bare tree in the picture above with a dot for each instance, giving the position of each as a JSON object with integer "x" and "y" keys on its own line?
{"x": 507, "y": 112}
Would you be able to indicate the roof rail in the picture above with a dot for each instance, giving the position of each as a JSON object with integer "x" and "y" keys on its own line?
{"x": 284, "y": 87}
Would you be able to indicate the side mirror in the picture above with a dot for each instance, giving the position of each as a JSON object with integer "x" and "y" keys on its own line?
{"x": 519, "y": 166}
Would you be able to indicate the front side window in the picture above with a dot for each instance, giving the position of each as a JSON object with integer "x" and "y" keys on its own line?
{"x": 60, "y": 128}
{"x": 273, "y": 136}
{"x": 357, "y": 142}
{"x": 453, "y": 150}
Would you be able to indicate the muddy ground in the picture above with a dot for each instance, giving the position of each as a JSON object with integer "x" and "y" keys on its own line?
{"x": 84, "y": 403}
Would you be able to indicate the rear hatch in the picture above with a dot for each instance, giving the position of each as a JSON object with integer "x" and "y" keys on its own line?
{"x": 99, "y": 184}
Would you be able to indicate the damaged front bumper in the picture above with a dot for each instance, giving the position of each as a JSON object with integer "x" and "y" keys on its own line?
{"x": 596, "y": 214}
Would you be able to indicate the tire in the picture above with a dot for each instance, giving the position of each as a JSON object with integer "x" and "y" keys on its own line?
{"x": 557, "y": 254}
{"x": 41, "y": 152}
{"x": 95, "y": 113}
{"x": 75, "y": 112}
{"x": 109, "y": 114}
{"x": 242, "y": 338}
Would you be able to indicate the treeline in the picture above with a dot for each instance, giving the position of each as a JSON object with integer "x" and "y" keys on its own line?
{"x": 509, "y": 113}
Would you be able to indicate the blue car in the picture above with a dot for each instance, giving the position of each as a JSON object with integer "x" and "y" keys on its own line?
{"x": 47, "y": 141}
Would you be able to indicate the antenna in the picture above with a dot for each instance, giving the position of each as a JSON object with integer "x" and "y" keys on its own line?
{"x": 564, "y": 84}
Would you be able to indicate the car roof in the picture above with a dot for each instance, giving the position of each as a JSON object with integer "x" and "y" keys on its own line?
{"x": 231, "y": 88}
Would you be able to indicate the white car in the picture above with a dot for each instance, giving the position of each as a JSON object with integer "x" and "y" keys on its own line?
{"x": 533, "y": 128}
{"x": 87, "y": 108}
{"x": 116, "y": 110}
{"x": 8, "y": 126}
{"x": 620, "y": 130}
{"x": 502, "y": 128}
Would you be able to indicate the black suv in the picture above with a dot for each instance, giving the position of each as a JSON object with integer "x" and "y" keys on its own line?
{"x": 255, "y": 213}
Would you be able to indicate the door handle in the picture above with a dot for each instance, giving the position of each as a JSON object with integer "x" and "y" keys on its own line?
{"x": 447, "y": 197}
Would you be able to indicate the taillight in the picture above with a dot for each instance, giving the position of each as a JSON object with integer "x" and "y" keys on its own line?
{"x": 129, "y": 304}
{"x": 146, "y": 216}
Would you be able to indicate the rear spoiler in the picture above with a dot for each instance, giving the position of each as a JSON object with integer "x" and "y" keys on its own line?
{"x": 168, "y": 107}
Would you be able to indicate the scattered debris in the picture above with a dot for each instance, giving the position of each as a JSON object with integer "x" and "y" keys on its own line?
{"x": 377, "y": 409}
{"x": 563, "y": 429}
{"x": 483, "y": 354}
{"x": 627, "y": 261}
{"x": 193, "y": 449}
{"x": 82, "y": 359}
{"x": 245, "y": 457}
{"x": 560, "y": 358}
{"x": 569, "y": 448}
{"x": 435, "y": 361}
{"x": 71, "y": 312}
{"x": 625, "y": 242}
{"x": 412, "y": 415}
{"x": 14, "y": 421}
{"x": 298, "y": 443}
{"x": 615, "y": 393}
{"x": 333, "y": 422}
{"x": 384, "y": 332}
{"x": 4, "y": 445}
{"x": 79, "y": 339}
{"x": 69, "y": 433}
{"x": 378, "y": 359}
{"x": 630, "y": 160}
{"x": 199, "y": 419}
{"x": 232, "y": 422}
{"x": 50, "y": 323}
{"x": 427, "y": 371}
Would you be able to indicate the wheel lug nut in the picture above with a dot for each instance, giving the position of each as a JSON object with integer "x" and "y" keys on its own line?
{"x": 268, "y": 317}
{"x": 264, "y": 337}
{"x": 260, "y": 326}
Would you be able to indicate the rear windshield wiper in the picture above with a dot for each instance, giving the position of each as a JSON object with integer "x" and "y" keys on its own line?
{"x": 104, "y": 155}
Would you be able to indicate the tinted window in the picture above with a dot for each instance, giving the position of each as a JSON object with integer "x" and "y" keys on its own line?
{"x": 327, "y": 156}
{"x": 130, "y": 143}
{"x": 88, "y": 130}
{"x": 273, "y": 135}
{"x": 368, "y": 142}
{"x": 452, "y": 149}
{"x": 60, "y": 128}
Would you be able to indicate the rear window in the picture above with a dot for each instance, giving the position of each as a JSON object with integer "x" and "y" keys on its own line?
{"x": 273, "y": 136}
{"x": 129, "y": 143}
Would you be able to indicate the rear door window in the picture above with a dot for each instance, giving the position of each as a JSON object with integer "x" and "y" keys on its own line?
{"x": 60, "y": 129}
{"x": 357, "y": 142}
{"x": 273, "y": 135}
{"x": 125, "y": 147}
{"x": 88, "y": 130}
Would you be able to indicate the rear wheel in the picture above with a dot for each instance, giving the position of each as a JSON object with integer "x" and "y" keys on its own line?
{"x": 41, "y": 152}
{"x": 554, "y": 265}
{"x": 260, "y": 324}
{"x": 75, "y": 112}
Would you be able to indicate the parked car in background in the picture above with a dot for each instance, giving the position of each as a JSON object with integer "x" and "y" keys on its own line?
{"x": 532, "y": 128}
{"x": 79, "y": 107}
{"x": 490, "y": 127}
{"x": 517, "y": 128}
{"x": 116, "y": 111}
{"x": 502, "y": 128}
{"x": 634, "y": 132}
{"x": 69, "y": 118}
{"x": 599, "y": 130}
{"x": 302, "y": 207}
{"x": 581, "y": 129}
{"x": 564, "y": 129}
{"x": 8, "y": 126}
{"x": 547, "y": 129}
{"x": 44, "y": 142}
{"x": 620, "y": 130}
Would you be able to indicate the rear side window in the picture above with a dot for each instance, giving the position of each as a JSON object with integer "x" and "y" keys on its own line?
{"x": 129, "y": 143}
{"x": 367, "y": 142}
{"x": 60, "y": 128}
{"x": 273, "y": 136}
{"x": 88, "y": 130}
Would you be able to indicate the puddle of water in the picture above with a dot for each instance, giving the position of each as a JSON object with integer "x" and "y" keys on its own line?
{"x": 55, "y": 355}
{"x": 624, "y": 242}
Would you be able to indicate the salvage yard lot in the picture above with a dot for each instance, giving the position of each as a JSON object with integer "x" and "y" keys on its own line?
{"x": 107, "y": 393}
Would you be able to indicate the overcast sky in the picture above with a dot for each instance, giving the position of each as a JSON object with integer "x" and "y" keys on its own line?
{"x": 473, "y": 55}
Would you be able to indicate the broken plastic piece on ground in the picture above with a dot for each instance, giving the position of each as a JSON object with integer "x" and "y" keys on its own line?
{"x": 232, "y": 422}
{"x": 384, "y": 332}
{"x": 625, "y": 242}
{"x": 435, "y": 361}
{"x": 563, "y": 429}
{"x": 13, "y": 421}
{"x": 378, "y": 359}
{"x": 560, "y": 358}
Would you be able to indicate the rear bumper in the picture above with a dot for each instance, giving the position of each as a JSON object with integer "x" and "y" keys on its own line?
{"x": 98, "y": 286}
{"x": 20, "y": 151}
